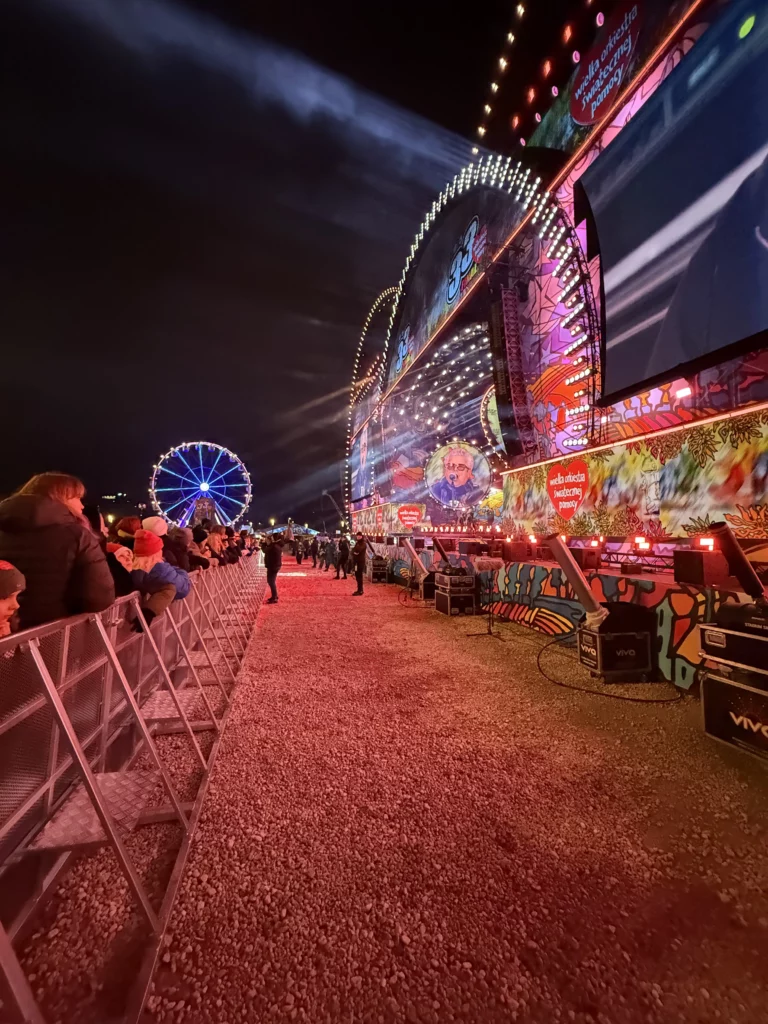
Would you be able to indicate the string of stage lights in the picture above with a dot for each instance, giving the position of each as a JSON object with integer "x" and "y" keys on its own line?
{"x": 536, "y": 90}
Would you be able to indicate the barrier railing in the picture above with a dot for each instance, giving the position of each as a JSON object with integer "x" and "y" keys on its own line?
{"x": 84, "y": 705}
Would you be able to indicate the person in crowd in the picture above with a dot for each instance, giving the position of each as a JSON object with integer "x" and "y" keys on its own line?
{"x": 125, "y": 530}
{"x": 216, "y": 539}
{"x": 11, "y": 585}
{"x": 330, "y": 554}
{"x": 343, "y": 559}
{"x": 200, "y": 545}
{"x": 188, "y": 555}
{"x": 149, "y": 567}
{"x": 43, "y": 533}
{"x": 157, "y": 595}
{"x": 359, "y": 555}
{"x": 117, "y": 565}
{"x": 173, "y": 551}
{"x": 199, "y": 552}
{"x": 298, "y": 548}
{"x": 244, "y": 542}
{"x": 232, "y": 548}
{"x": 176, "y": 548}
{"x": 273, "y": 561}
{"x": 314, "y": 550}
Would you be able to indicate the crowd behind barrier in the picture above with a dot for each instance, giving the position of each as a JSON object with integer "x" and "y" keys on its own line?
{"x": 74, "y": 700}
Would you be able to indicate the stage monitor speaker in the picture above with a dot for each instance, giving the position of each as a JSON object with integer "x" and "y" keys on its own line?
{"x": 472, "y": 547}
{"x": 515, "y": 551}
{"x": 701, "y": 568}
{"x": 587, "y": 558}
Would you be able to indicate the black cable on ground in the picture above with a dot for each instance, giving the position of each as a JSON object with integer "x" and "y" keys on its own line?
{"x": 587, "y": 689}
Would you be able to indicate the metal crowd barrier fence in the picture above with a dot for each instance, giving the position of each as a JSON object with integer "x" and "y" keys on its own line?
{"x": 81, "y": 700}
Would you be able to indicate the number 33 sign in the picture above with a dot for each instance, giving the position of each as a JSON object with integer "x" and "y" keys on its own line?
{"x": 463, "y": 259}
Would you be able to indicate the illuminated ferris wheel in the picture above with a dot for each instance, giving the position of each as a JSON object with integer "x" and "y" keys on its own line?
{"x": 199, "y": 470}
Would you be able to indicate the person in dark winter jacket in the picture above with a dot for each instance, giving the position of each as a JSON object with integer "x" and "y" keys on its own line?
{"x": 121, "y": 576}
{"x": 273, "y": 561}
{"x": 314, "y": 548}
{"x": 43, "y": 534}
{"x": 359, "y": 555}
{"x": 232, "y": 551}
{"x": 343, "y": 559}
{"x": 330, "y": 554}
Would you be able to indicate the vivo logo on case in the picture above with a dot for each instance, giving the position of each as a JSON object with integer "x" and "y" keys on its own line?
{"x": 625, "y": 654}
{"x": 714, "y": 638}
{"x": 748, "y": 724}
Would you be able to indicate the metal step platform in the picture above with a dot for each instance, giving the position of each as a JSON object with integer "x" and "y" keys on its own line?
{"x": 76, "y": 824}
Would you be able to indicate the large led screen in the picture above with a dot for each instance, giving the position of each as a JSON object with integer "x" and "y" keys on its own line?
{"x": 680, "y": 200}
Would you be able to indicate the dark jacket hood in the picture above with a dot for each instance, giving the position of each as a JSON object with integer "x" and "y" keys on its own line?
{"x": 32, "y": 512}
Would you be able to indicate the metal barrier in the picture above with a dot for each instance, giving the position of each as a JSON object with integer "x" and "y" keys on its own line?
{"x": 81, "y": 700}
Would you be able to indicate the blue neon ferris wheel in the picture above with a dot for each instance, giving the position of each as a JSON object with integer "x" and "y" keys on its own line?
{"x": 195, "y": 470}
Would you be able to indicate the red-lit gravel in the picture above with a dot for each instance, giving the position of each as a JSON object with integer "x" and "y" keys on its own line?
{"x": 408, "y": 824}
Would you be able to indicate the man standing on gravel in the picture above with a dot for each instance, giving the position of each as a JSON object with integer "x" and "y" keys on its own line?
{"x": 341, "y": 562}
{"x": 359, "y": 553}
{"x": 273, "y": 561}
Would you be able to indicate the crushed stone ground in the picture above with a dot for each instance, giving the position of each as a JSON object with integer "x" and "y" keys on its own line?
{"x": 409, "y": 824}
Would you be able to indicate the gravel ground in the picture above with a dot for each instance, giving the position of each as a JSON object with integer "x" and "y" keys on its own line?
{"x": 408, "y": 824}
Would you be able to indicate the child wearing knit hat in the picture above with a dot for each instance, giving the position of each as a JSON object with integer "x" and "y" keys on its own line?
{"x": 11, "y": 585}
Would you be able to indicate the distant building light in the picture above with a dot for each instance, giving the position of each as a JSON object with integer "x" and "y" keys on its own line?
{"x": 600, "y": 19}
{"x": 567, "y": 33}
{"x": 546, "y": 68}
{"x": 555, "y": 91}
{"x": 575, "y": 56}
{"x": 683, "y": 392}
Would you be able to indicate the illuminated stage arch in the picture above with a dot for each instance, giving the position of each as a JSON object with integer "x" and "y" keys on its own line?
{"x": 497, "y": 262}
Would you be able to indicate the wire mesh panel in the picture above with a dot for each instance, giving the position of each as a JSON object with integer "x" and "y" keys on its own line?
{"x": 70, "y": 725}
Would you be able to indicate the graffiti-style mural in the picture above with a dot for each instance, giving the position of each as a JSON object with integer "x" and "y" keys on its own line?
{"x": 671, "y": 485}
{"x": 540, "y": 597}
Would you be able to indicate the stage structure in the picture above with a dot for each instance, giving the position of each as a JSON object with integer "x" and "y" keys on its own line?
{"x": 578, "y": 342}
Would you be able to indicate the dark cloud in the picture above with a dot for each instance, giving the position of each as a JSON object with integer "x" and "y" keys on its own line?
{"x": 195, "y": 223}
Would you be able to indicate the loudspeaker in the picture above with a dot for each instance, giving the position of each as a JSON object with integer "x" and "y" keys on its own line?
{"x": 418, "y": 543}
{"x": 702, "y": 568}
{"x": 390, "y": 540}
{"x": 587, "y": 558}
{"x": 515, "y": 551}
{"x": 472, "y": 547}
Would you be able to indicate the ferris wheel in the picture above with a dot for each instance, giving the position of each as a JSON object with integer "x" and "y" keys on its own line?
{"x": 199, "y": 470}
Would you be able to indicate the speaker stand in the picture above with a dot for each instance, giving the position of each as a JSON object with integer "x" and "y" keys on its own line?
{"x": 490, "y": 631}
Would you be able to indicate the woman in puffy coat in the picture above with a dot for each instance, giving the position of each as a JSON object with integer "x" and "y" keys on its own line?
{"x": 43, "y": 533}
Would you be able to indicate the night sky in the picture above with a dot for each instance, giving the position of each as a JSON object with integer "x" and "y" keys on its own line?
{"x": 198, "y": 210}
